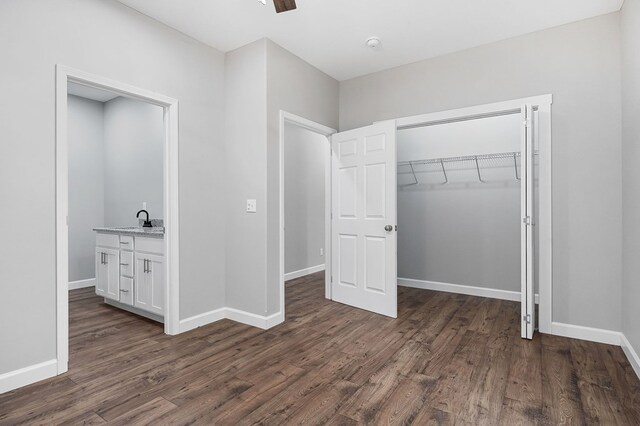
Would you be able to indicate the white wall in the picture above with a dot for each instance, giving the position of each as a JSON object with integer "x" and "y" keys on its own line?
{"x": 630, "y": 170}
{"x": 463, "y": 232}
{"x": 133, "y": 160}
{"x": 86, "y": 183}
{"x": 580, "y": 65}
{"x": 305, "y": 154}
{"x": 112, "y": 40}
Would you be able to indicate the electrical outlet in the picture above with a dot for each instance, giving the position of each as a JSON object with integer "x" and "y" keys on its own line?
{"x": 252, "y": 206}
{"x": 144, "y": 205}
{"x": 321, "y": 252}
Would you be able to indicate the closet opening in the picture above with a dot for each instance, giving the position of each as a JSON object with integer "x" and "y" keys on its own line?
{"x": 467, "y": 205}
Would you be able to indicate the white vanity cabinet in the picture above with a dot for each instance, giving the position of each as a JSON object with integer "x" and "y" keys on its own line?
{"x": 149, "y": 282}
{"x": 130, "y": 271}
{"x": 108, "y": 273}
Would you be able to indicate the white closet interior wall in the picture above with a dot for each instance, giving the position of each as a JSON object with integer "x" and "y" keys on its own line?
{"x": 464, "y": 232}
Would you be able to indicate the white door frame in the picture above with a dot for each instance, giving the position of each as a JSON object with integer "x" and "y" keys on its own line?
{"x": 64, "y": 75}
{"x": 544, "y": 222}
{"x": 286, "y": 117}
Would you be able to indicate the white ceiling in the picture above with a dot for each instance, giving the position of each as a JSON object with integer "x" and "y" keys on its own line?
{"x": 331, "y": 34}
{"x": 90, "y": 92}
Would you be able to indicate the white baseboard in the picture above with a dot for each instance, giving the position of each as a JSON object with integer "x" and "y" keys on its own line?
{"x": 513, "y": 296}
{"x": 260, "y": 321}
{"x": 74, "y": 285}
{"x": 303, "y": 272}
{"x": 27, "y": 375}
{"x": 202, "y": 319}
{"x": 631, "y": 354}
{"x": 597, "y": 335}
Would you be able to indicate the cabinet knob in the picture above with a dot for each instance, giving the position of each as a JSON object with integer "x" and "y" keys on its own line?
{"x": 124, "y": 291}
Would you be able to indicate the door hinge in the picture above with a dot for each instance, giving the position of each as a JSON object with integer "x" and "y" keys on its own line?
{"x": 526, "y": 220}
{"x": 331, "y": 278}
{"x": 527, "y": 318}
{"x": 527, "y": 123}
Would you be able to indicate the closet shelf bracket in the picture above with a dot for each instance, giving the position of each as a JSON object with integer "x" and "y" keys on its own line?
{"x": 478, "y": 169}
{"x": 444, "y": 172}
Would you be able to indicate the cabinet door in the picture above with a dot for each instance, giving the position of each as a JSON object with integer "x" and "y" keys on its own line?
{"x": 149, "y": 283}
{"x": 101, "y": 273}
{"x": 108, "y": 273}
{"x": 112, "y": 268}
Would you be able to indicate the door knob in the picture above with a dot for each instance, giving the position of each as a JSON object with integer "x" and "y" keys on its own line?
{"x": 388, "y": 228}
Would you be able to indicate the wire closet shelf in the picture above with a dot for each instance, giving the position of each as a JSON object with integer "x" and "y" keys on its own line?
{"x": 477, "y": 160}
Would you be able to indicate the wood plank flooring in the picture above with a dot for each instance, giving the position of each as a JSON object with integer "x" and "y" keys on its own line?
{"x": 447, "y": 359}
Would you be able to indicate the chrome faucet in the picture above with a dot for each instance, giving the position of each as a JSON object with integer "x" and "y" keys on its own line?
{"x": 147, "y": 223}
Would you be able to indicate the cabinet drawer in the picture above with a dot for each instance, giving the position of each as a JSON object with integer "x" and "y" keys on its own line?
{"x": 126, "y": 242}
{"x": 126, "y": 290}
{"x": 108, "y": 240}
{"x": 150, "y": 245}
{"x": 126, "y": 263}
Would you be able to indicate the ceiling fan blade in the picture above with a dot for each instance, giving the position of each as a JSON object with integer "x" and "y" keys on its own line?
{"x": 284, "y": 5}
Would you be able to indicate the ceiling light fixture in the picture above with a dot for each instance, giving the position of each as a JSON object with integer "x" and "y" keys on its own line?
{"x": 373, "y": 42}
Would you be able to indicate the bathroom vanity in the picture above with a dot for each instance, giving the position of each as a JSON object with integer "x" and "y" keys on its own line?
{"x": 130, "y": 269}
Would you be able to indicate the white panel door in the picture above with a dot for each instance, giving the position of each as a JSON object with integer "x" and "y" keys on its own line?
{"x": 527, "y": 236}
{"x": 363, "y": 224}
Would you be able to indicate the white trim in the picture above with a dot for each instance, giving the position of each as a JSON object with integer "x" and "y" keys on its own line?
{"x": 171, "y": 205}
{"x": 545, "y": 220}
{"x": 260, "y": 321}
{"x": 303, "y": 272}
{"x": 598, "y": 335}
{"x": 27, "y": 375}
{"x": 469, "y": 113}
{"x": 286, "y": 117}
{"x": 74, "y": 285}
{"x": 469, "y": 290}
{"x": 631, "y": 354}
{"x": 196, "y": 321}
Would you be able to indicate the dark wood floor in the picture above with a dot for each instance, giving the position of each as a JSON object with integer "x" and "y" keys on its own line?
{"x": 446, "y": 359}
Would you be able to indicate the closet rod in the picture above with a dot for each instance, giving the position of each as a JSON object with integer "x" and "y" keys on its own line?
{"x": 475, "y": 158}
{"x": 481, "y": 157}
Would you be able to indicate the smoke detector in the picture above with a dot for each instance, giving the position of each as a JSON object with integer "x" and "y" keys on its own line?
{"x": 373, "y": 43}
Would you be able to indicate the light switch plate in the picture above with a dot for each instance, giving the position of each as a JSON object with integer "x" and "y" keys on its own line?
{"x": 251, "y": 206}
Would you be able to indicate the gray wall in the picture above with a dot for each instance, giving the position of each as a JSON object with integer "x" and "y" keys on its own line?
{"x": 580, "y": 65}
{"x": 133, "y": 161}
{"x": 631, "y": 171}
{"x": 298, "y": 88}
{"x": 108, "y": 39}
{"x": 464, "y": 232}
{"x": 262, "y": 79}
{"x": 86, "y": 183}
{"x": 305, "y": 154}
{"x": 246, "y": 124}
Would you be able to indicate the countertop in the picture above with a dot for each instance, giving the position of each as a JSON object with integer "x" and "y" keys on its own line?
{"x": 157, "y": 231}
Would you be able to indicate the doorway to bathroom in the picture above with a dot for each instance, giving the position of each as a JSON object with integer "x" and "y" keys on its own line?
{"x": 117, "y": 227}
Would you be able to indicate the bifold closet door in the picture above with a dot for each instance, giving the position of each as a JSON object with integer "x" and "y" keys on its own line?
{"x": 527, "y": 235}
{"x": 363, "y": 219}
